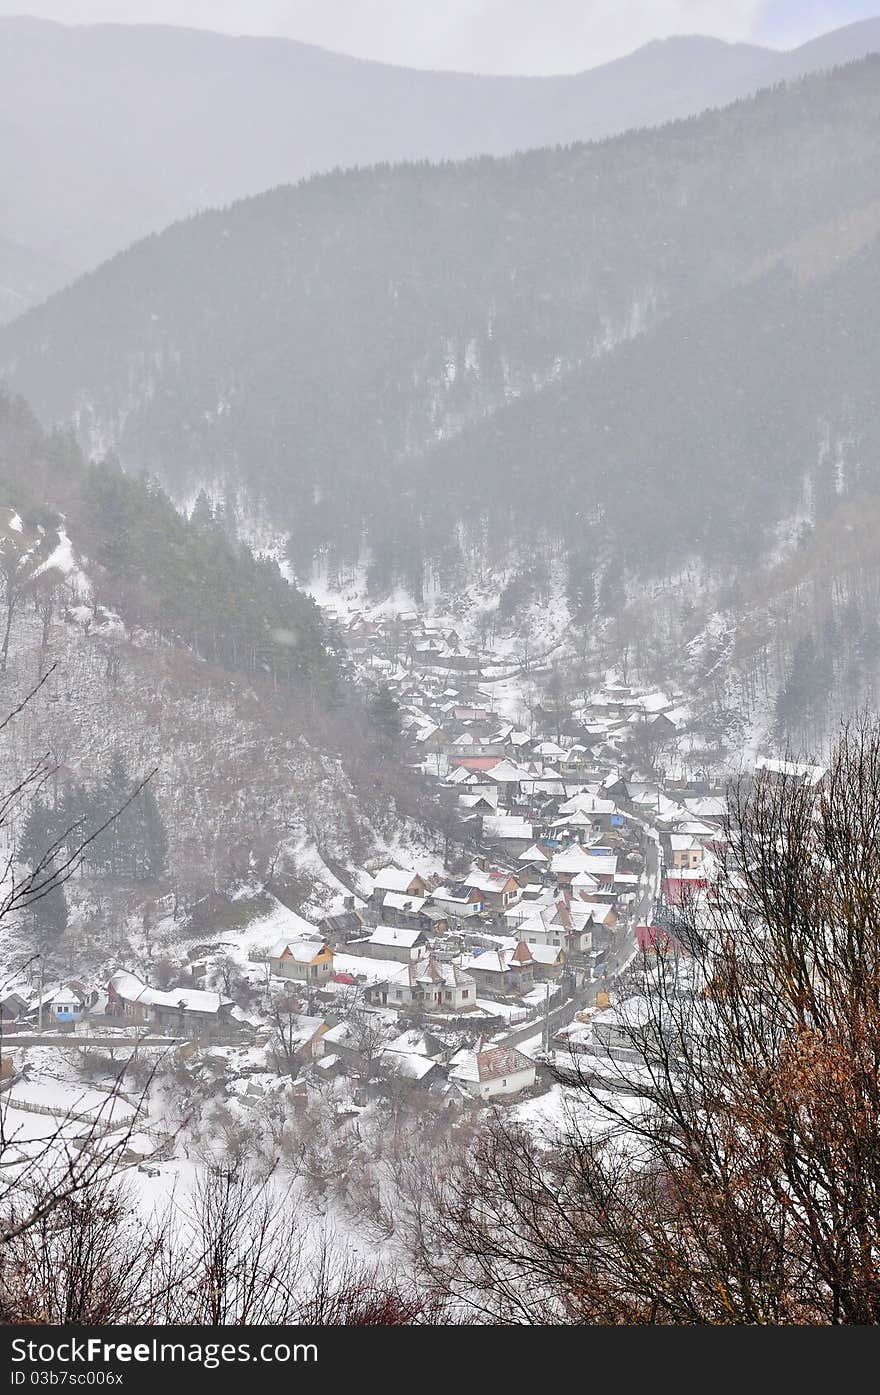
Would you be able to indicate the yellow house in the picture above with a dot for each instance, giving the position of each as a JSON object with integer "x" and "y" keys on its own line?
{"x": 306, "y": 961}
{"x": 686, "y": 851}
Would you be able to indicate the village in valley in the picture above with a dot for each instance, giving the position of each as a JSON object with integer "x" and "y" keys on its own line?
{"x": 458, "y": 982}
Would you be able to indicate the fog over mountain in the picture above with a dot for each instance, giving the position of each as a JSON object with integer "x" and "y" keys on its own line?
{"x": 110, "y": 132}
{"x": 334, "y": 336}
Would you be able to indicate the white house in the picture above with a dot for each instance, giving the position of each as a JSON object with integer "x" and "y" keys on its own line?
{"x": 430, "y": 984}
{"x": 392, "y": 942}
{"x": 458, "y": 899}
{"x": 491, "y": 1072}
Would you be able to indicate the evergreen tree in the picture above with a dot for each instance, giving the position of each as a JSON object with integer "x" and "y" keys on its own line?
{"x": 384, "y": 713}
{"x": 152, "y": 835}
{"x": 50, "y": 913}
{"x": 39, "y": 833}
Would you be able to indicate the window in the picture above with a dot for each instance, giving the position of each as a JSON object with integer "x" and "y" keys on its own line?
{"x": 503, "y": 1084}
{"x": 466, "y": 993}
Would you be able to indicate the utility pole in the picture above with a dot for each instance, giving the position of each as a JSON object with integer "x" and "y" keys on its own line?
{"x": 547, "y": 1018}
{"x": 40, "y": 990}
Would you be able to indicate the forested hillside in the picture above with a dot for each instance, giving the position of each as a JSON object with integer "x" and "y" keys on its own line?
{"x": 169, "y": 646}
{"x": 150, "y": 123}
{"x": 313, "y": 345}
{"x": 184, "y": 579}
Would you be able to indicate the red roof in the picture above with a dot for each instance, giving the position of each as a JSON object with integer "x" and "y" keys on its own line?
{"x": 677, "y": 890}
{"x": 344, "y": 978}
{"x": 477, "y": 762}
{"x": 654, "y": 937}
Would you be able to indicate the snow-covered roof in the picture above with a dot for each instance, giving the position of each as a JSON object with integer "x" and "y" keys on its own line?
{"x": 706, "y": 806}
{"x": 488, "y": 881}
{"x": 301, "y": 951}
{"x": 500, "y": 827}
{"x": 430, "y": 969}
{"x": 499, "y": 961}
{"x": 546, "y": 954}
{"x": 683, "y": 842}
{"x": 395, "y": 900}
{"x": 572, "y": 859}
{"x": 457, "y": 894}
{"x": 584, "y": 882}
{"x": 390, "y": 936}
{"x": 408, "y": 1064}
{"x": 601, "y": 864}
{"x": 587, "y": 804}
{"x": 534, "y": 854}
{"x": 132, "y": 989}
{"x": 492, "y": 1063}
{"x": 393, "y": 879}
{"x": 810, "y": 774}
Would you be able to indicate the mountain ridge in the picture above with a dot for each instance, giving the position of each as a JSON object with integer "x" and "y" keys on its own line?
{"x": 319, "y": 336}
{"x": 199, "y": 120}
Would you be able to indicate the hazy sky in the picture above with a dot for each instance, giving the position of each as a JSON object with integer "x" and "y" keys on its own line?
{"x": 537, "y": 36}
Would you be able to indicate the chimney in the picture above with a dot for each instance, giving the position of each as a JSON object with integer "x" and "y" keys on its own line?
{"x": 348, "y": 903}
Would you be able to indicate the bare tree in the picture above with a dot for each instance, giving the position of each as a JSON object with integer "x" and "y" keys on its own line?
{"x": 723, "y": 1167}
{"x": 52, "y": 1172}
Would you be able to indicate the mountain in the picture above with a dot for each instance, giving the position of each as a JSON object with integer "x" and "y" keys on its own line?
{"x": 110, "y": 132}
{"x": 392, "y": 338}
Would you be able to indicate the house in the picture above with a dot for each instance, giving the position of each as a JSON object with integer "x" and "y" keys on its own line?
{"x": 498, "y": 889}
{"x": 778, "y": 771}
{"x": 535, "y": 858}
{"x": 548, "y": 961}
{"x": 346, "y": 925}
{"x": 561, "y": 927}
{"x": 656, "y": 939}
{"x": 537, "y": 931}
{"x": 357, "y": 1042}
{"x": 303, "y": 1037}
{"x": 307, "y": 961}
{"x": 459, "y": 899}
{"x": 415, "y": 1056}
{"x": 409, "y": 1067}
{"x": 583, "y": 885}
{"x": 13, "y": 1006}
{"x": 686, "y": 850}
{"x": 393, "y": 942}
{"x": 568, "y": 863}
{"x": 65, "y": 1006}
{"x": 418, "y": 1042}
{"x": 681, "y": 885}
{"x": 509, "y": 778}
{"x": 129, "y": 997}
{"x": 599, "y": 917}
{"x": 493, "y": 1071}
{"x": 179, "y": 1011}
{"x": 511, "y": 836}
{"x": 478, "y": 803}
{"x": 628, "y": 1029}
{"x": 399, "y": 879}
{"x": 503, "y": 972}
{"x": 585, "y": 809}
{"x": 406, "y": 911}
{"x": 429, "y": 984}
